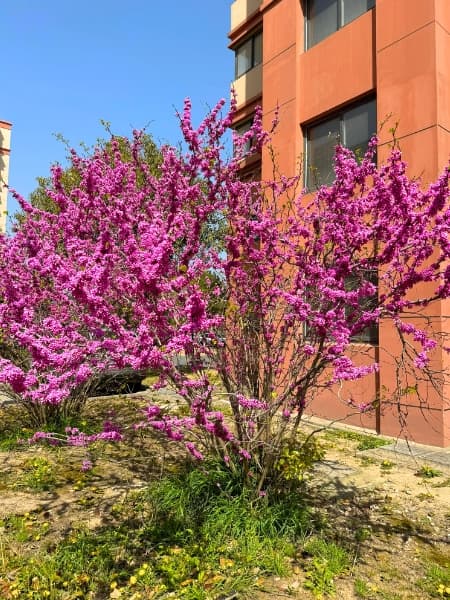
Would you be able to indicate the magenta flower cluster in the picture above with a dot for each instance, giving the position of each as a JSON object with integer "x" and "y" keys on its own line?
{"x": 116, "y": 278}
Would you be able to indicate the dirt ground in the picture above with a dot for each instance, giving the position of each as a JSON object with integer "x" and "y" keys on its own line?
{"x": 395, "y": 521}
{"x": 399, "y": 520}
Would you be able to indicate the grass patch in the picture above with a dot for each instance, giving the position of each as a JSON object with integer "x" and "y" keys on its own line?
{"x": 195, "y": 534}
{"x": 14, "y": 434}
{"x": 38, "y": 475}
{"x": 328, "y": 562}
{"x": 363, "y": 441}
{"x": 12, "y": 429}
{"x": 366, "y": 590}
{"x": 437, "y": 580}
{"x": 24, "y": 528}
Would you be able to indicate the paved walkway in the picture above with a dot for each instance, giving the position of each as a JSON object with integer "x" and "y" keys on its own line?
{"x": 401, "y": 449}
{"x": 419, "y": 452}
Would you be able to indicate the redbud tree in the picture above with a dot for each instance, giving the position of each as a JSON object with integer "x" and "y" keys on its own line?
{"x": 121, "y": 275}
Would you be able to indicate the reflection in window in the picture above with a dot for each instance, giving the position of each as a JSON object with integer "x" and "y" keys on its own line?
{"x": 242, "y": 128}
{"x": 248, "y": 54}
{"x": 324, "y": 17}
{"x": 352, "y": 127}
{"x": 369, "y": 334}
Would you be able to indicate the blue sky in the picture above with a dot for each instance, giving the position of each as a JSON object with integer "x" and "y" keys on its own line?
{"x": 68, "y": 64}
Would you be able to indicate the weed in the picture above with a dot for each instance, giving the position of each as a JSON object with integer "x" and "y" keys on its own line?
{"x": 363, "y": 589}
{"x": 298, "y": 457}
{"x": 362, "y": 534}
{"x": 365, "y": 461}
{"x": 24, "y": 528}
{"x": 425, "y": 496}
{"x": 386, "y": 465}
{"x": 13, "y": 433}
{"x": 428, "y": 472}
{"x": 38, "y": 475}
{"x": 370, "y": 591}
{"x": 364, "y": 441}
{"x": 12, "y": 429}
{"x": 328, "y": 562}
{"x": 12, "y": 439}
{"x": 437, "y": 580}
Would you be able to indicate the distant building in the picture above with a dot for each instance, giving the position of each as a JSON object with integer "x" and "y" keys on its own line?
{"x": 337, "y": 69}
{"x": 5, "y": 144}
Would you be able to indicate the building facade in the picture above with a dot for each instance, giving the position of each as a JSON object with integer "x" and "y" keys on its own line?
{"x": 5, "y": 145}
{"x": 343, "y": 70}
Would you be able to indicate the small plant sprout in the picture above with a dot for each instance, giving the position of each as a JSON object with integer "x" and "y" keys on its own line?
{"x": 428, "y": 472}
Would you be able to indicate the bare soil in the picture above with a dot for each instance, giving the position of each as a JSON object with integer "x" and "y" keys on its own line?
{"x": 396, "y": 522}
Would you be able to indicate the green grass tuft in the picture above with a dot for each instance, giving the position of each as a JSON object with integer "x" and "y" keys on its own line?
{"x": 328, "y": 561}
{"x": 196, "y": 534}
{"x": 364, "y": 441}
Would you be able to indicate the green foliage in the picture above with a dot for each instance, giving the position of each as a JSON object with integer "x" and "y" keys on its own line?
{"x": 24, "y": 528}
{"x": 386, "y": 465}
{"x": 13, "y": 433}
{"x": 364, "y": 442}
{"x": 427, "y": 472}
{"x": 362, "y": 589}
{"x": 437, "y": 580}
{"x": 362, "y": 534}
{"x": 40, "y": 198}
{"x": 212, "y": 234}
{"x": 298, "y": 457}
{"x": 38, "y": 475}
{"x": 328, "y": 562}
{"x": 194, "y": 534}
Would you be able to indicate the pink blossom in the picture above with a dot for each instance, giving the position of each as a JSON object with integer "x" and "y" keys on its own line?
{"x": 118, "y": 278}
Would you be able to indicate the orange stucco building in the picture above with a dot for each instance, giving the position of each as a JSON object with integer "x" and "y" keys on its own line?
{"x": 338, "y": 69}
{"x": 5, "y": 142}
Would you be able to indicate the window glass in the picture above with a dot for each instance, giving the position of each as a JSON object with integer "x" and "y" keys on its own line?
{"x": 322, "y": 140}
{"x": 257, "y": 49}
{"x": 244, "y": 58}
{"x": 351, "y": 9}
{"x": 322, "y": 20}
{"x": 324, "y": 17}
{"x": 353, "y": 128}
{"x": 248, "y": 54}
{"x": 243, "y": 128}
{"x": 359, "y": 126}
{"x": 368, "y": 334}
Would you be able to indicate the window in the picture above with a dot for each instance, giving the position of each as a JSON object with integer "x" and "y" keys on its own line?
{"x": 242, "y": 128}
{"x": 324, "y": 17}
{"x": 248, "y": 54}
{"x": 352, "y": 127}
{"x": 368, "y": 335}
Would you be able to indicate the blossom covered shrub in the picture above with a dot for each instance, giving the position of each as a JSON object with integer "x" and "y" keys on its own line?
{"x": 121, "y": 275}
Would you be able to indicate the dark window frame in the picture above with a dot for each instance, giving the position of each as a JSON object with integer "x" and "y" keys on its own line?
{"x": 252, "y": 39}
{"x": 245, "y": 126}
{"x": 340, "y": 115}
{"x": 340, "y": 22}
{"x": 370, "y": 335}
